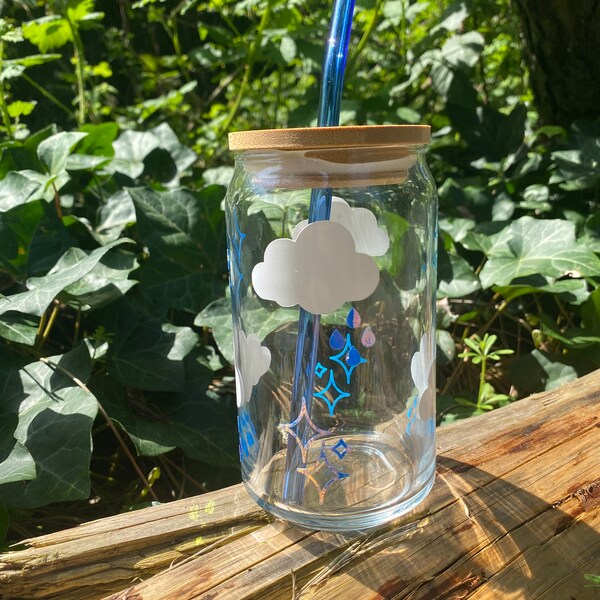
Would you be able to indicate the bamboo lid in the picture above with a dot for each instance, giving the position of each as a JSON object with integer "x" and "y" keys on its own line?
{"x": 313, "y": 138}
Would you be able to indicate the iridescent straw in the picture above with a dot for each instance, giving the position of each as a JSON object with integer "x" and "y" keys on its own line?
{"x": 334, "y": 65}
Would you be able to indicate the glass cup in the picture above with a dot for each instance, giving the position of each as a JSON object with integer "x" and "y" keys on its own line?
{"x": 332, "y": 237}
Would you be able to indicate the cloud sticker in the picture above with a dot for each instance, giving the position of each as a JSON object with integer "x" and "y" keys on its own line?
{"x": 252, "y": 362}
{"x": 319, "y": 269}
{"x": 369, "y": 238}
{"x": 422, "y": 369}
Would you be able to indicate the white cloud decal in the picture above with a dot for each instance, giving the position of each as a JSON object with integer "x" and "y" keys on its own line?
{"x": 320, "y": 270}
{"x": 252, "y": 362}
{"x": 369, "y": 238}
{"x": 422, "y": 369}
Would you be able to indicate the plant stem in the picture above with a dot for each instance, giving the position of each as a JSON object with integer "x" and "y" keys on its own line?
{"x": 365, "y": 36}
{"x": 48, "y": 328}
{"x": 3, "y": 106}
{"x": 112, "y": 426}
{"x": 249, "y": 64}
{"x": 79, "y": 70}
{"x": 481, "y": 381}
{"x": 47, "y": 94}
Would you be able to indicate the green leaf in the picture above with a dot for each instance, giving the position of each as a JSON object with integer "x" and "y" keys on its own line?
{"x": 48, "y": 33}
{"x": 456, "y": 278}
{"x": 16, "y": 464}
{"x": 54, "y": 151}
{"x": 185, "y": 236}
{"x": 573, "y": 291}
{"x": 20, "y": 109}
{"x": 446, "y": 349}
{"x": 16, "y": 66}
{"x": 99, "y": 139}
{"x": 573, "y": 337}
{"x": 130, "y": 150}
{"x": 183, "y": 156}
{"x": 17, "y": 227}
{"x": 538, "y": 371}
{"x": 17, "y": 189}
{"x": 590, "y": 312}
{"x": 55, "y": 417}
{"x": 529, "y": 246}
{"x": 44, "y": 289}
{"x": 257, "y": 320}
{"x": 147, "y": 354}
{"x": 288, "y": 49}
{"x": 106, "y": 282}
{"x": 462, "y": 51}
{"x": 114, "y": 216}
{"x": 18, "y": 328}
{"x": 78, "y": 10}
{"x": 197, "y": 420}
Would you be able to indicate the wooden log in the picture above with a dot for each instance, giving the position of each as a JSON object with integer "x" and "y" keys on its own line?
{"x": 514, "y": 513}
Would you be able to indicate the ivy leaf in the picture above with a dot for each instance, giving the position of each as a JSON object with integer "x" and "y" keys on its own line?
{"x": 54, "y": 151}
{"x": 185, "y": 236}
{"x": 21, "y": 329}
{"x": 197, "y": 420}
{"x": 456, "y": 278}
{"x": 16, "y": 464}
{"x": 147, "y": 354}
{"x": 257, "y": 320}
{"x": 44, "y": 289}
{"x": 48, "y": 33}
{"x": 130, "y": 150}
{"x": 55, "y": 417}
{"x": 538, "y": 371}
{"x": 17, "y": 227}
{"x": 106, "y": 282}
{"x": 529, "y": 246}
{"x": 114, "y": 216}
{"x": 462, "y": 51}
{"x": 17, "y": 189}
{"x": 15, "y": 67}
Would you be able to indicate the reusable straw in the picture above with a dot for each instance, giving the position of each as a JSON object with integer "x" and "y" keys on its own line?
{"x": 334, "y": 66}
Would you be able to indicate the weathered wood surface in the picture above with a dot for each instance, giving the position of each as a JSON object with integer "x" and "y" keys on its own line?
{"x": 514, "y": 514}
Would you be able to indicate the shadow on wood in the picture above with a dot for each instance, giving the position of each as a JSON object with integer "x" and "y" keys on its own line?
{"x": 514, "y": 513}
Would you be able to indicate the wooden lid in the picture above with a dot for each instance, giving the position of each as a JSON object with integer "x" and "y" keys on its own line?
{"x": 312, "y": 138}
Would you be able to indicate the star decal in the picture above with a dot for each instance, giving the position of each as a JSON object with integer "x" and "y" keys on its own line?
{"x": 340, "y": 449}
{"x": 322, "y": 474}
{"x": 349, "y": 358}
{"x": 309, "y": 426}
{"x": 340, "y": 394}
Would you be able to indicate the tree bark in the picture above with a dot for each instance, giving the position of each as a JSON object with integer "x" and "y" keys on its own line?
{"x": 562, "y": 46}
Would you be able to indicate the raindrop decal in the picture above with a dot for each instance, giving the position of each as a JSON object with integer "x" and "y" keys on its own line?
{"x": 368, "y": 338}
{"x": 336, "y": 341}
{"x": 353, "y": 319}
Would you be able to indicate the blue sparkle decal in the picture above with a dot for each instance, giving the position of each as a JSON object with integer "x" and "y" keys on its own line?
{"x": 310, "y": 427}
{"x": 247, "y": 433}
{"x": 340, "y": 394}
{"x": 322, "y": 471}
{"x": 320, "y": 370}
{"x": 340, "y": 449}
{"x": 349, "y": 358}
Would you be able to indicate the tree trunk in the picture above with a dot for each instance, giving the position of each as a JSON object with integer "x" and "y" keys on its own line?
{"x": 562, "y": 41}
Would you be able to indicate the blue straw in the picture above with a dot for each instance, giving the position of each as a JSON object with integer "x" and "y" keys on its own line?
{"x": 334, "y": 66}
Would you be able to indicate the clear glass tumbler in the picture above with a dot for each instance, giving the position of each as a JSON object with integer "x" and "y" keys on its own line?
{"x": 334, "y": 320}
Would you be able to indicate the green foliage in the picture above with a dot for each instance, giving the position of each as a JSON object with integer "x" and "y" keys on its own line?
{"x": 112, "y": 262}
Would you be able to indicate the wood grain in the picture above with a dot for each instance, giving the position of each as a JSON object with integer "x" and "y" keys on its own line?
{"x": 514, "y": 514}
